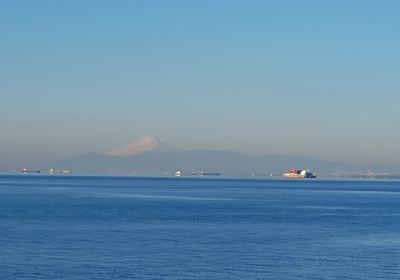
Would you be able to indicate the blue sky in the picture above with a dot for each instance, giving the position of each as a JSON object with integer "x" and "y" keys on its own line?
{"x": 318, "y": 78}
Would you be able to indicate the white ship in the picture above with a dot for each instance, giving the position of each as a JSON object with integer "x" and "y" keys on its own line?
{"x": 297, "y": 173}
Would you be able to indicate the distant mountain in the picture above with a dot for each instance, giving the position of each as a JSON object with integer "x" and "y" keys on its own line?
{"x": 144, "y": 144}
{"x": 150, "y": 155}
{"x": 167, "y": 162}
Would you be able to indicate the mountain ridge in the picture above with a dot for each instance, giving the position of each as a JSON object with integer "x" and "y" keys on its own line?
{"x": 226, "y": 162}
{"x": 144, "y": 144}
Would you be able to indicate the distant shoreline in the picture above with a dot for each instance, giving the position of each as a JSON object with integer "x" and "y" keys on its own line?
{"x": 6, "y": 173}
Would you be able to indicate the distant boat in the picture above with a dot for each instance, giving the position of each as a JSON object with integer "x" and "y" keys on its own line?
{"x": 178, "y": 173}
{"x": 298, "y": 173}
{"x": 29, "y": 171}
{"x": 206, "y": 173}
{"x": 54, "y": 171}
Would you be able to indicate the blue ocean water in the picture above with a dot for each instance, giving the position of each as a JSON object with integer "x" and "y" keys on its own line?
{"x": 64, "y": 227}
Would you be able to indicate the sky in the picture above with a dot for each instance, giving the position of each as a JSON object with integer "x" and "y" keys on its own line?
{"x": 316, "y": 78}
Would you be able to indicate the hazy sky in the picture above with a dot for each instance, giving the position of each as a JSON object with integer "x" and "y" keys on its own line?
{"x": 319, "y": 78}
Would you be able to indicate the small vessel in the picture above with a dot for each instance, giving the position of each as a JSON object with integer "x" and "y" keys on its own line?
{"x": 206, "y": 173}
{"x": 24, "y": 170}
{"x": 63, "y": 171}
{"x": 178, "y": 173}
{"x": 298, "y": 173}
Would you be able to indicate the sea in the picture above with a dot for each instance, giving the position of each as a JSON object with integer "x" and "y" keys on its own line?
{"x": 105, "y": 227}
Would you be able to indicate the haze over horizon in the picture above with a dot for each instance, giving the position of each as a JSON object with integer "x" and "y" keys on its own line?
{"x": 312, "y": 78}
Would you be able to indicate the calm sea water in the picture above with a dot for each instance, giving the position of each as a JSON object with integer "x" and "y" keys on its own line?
{"x": 186, "y": 228}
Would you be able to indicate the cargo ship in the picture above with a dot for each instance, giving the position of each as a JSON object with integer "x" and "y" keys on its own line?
{"x": 298, "y": 173}
{"x": 206, "y": 173}
{"x": 24, "y": 170}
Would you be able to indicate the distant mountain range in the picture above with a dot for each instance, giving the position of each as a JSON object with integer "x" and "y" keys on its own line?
{"x": 151, "y": 155}
{"x": 225, "y": 162}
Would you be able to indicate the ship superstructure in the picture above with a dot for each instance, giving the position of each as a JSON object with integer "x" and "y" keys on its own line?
{"x": 298, "y": 173}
